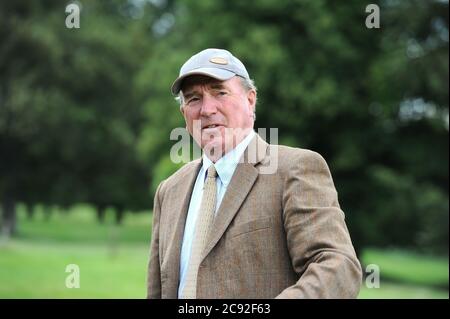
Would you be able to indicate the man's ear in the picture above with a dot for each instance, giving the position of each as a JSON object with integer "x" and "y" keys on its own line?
{"x": 251, "y": 99}
{"x": 182, "y": 112}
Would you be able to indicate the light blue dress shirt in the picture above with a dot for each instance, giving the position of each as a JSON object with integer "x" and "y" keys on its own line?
{"x": 225, "y": 168}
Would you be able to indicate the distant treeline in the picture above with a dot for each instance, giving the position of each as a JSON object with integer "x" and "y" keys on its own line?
{"x": 85, "y": 114}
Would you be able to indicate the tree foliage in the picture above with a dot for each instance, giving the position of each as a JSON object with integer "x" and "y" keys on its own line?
{"x": 85, "y": 115}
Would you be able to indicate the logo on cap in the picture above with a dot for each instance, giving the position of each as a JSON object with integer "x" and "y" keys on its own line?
{"x": 218, "y": 60}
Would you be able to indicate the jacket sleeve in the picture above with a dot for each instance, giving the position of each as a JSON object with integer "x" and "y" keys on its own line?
{"x": 154, "y": 271}
{"x": 319, "y": 244}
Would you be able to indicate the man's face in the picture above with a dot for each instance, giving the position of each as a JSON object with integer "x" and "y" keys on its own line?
{"x": 218, "y": 114}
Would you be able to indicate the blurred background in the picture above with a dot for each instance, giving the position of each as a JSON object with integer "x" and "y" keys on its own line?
{"x": 86, "y": 113}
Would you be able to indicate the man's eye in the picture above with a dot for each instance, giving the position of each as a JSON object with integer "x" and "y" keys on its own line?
{"x": 193, "y": 100}
{"x": 222, "y": 92}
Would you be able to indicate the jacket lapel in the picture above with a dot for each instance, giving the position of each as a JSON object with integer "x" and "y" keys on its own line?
{"x": 241, "y": 183}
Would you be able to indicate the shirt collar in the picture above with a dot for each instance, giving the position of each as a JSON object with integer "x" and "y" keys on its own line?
{"x": 227, "y": 164}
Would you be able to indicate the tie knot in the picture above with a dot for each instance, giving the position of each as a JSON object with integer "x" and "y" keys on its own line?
{"x": 212, "y": 173}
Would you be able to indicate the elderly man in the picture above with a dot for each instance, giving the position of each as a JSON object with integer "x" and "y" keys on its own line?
{"x": 225, "y": 228}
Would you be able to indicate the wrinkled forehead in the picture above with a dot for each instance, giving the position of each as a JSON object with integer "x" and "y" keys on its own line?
{"x": 197, "y": 81}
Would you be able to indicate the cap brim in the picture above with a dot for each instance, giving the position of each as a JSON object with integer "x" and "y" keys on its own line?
{"x": 219, "y": 74}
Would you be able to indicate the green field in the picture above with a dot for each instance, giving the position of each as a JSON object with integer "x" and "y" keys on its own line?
{"x": 113, "y": 260}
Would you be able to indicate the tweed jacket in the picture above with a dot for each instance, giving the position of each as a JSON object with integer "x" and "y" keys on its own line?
{"x": 278, "y": 233}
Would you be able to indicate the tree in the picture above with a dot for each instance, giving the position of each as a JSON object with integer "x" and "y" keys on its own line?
{"x": 369, "y": 100}
{"x": 69, "y": 116}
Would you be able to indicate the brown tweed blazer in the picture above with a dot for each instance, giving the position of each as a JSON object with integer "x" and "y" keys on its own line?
{"x": 275, "y": 235}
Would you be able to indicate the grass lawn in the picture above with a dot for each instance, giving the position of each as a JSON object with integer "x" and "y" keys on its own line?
{"x": 406, "y": 274}
{"x": 113, "y": 260}
{"x": 30, "y": 270}
{"x": 408, "y": 267}
{"x": 402, "y": 291}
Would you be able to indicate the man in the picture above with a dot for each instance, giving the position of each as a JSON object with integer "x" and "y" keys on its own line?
{"x": 226, "y": 227}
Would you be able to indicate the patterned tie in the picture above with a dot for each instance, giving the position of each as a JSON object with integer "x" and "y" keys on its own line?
{"x": 204, "y": 222}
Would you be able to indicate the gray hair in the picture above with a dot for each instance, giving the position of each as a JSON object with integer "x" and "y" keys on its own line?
{"x": 247, "y": 85}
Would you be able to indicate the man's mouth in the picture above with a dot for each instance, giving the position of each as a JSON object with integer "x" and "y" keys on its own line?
{"x": 211, "y": 126}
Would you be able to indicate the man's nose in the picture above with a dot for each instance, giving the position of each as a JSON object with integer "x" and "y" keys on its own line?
{"x": 209, "y": 105}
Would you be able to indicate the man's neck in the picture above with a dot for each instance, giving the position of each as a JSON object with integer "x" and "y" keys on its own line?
{"x": 216, "y": 154}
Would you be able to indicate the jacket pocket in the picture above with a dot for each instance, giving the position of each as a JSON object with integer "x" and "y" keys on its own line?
{"x": 251, "y": 226}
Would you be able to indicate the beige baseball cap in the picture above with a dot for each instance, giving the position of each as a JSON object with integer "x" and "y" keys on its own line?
{"x": 217, "y": 63}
